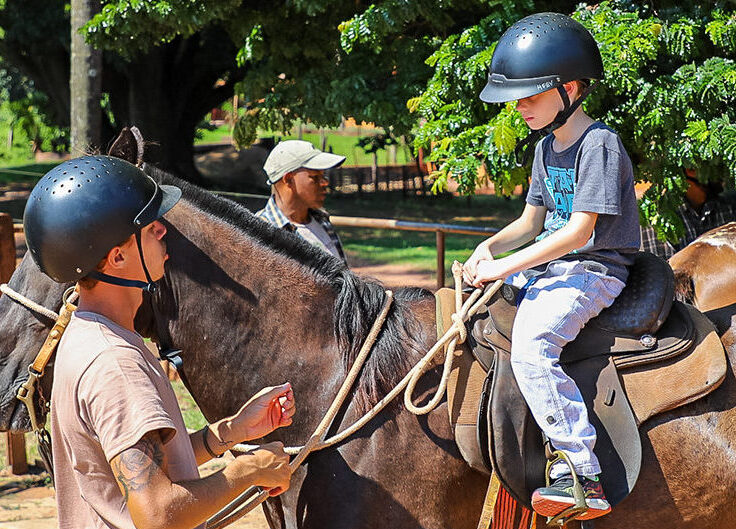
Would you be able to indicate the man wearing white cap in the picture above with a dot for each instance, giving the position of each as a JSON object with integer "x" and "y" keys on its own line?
{"x": 296, "y": 173}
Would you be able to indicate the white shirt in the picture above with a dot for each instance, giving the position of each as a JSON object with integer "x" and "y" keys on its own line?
{"x": 315, "y": 234}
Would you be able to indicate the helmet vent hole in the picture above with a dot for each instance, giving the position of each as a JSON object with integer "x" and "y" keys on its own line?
{"x": 88, "y": 180}
{"x": 55, "y": 179}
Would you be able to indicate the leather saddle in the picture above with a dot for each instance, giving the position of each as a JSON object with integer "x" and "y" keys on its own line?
{"x": 642, "y": 356}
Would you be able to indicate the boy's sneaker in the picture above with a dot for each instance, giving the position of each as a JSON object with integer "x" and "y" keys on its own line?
{"x": 552, "y": 500}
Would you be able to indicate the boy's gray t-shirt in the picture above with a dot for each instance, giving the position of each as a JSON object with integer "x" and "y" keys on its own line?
{"x": 594, "y": 175}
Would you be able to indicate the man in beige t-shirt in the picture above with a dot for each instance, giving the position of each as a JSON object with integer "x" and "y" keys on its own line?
{"x": 122, "y": 455}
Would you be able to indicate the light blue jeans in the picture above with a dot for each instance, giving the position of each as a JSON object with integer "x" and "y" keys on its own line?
{"x": 556, "y": 306}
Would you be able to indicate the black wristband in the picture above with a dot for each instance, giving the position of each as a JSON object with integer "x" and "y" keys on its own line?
{"x": 206, "y": 444}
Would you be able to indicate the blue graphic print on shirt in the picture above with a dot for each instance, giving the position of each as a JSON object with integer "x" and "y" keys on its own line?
{"x": 560, "y": 184}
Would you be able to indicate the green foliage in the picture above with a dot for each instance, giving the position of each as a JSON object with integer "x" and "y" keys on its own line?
{"x": 377, "y": 142}
{"x": 669, "y": 92}
{"x": 24, "y": 119}
{"x": 130, "y": 26}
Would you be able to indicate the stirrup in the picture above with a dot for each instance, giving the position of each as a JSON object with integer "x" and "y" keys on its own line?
{"x": 581, "y": 505}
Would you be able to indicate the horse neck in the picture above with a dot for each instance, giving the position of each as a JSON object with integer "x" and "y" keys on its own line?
{"x": 249, "y": 316}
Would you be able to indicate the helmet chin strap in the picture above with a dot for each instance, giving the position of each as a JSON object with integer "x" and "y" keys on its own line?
{"x": 523, "y": 149}
{"x": 149, "y": 285}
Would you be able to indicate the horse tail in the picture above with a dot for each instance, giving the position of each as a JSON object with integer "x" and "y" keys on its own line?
{"x": 684, "y": 287}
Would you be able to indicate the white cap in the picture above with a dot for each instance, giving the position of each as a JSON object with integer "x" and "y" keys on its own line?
{"x": 290, "y": 155}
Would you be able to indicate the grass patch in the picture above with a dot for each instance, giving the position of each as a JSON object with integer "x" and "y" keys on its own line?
{"x": 193, "y": 418}
{"x": 348, "y": 146}
{"x": 217, "y": 135}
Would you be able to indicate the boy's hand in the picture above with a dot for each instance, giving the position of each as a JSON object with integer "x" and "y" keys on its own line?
{"x": 490, "y": 271}
{"x": 470, "y": 267}
{"x": 270, "y": 408}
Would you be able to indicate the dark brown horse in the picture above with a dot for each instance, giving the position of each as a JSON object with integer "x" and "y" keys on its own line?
{"x": 251, "y": 305}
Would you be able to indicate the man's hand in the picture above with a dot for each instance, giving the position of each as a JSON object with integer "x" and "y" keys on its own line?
{"x": 270, "y": 408}
{"x": 470, "y": 267}
{"x": 269, "y": 467}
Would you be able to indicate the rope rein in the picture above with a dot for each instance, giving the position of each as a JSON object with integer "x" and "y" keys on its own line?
{"x": 455, "y": 335}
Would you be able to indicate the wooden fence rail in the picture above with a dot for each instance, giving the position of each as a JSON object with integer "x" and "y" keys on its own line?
{"x": 440, "y": 231}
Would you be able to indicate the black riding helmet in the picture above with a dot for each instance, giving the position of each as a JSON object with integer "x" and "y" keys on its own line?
{"x": 538, "y": 53}
{"x": 84, "y": 207}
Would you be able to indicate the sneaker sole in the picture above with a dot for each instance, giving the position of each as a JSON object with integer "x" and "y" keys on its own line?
{"x": 554, "y": 505}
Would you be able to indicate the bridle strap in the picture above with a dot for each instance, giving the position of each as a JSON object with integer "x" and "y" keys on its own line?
{"x": 27, "y": 391}
{"x": 37, "y": 368}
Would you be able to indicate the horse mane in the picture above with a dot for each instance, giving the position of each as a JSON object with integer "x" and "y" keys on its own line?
{"x": 358, "y": 301}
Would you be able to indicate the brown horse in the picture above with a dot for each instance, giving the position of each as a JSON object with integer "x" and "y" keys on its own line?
{"x": 705, "y": 270}
{"x": 251, "y": 305}
{"x": 705, "y": 276}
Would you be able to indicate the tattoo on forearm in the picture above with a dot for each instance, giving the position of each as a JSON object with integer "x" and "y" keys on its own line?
{"x": 135, "y": 467}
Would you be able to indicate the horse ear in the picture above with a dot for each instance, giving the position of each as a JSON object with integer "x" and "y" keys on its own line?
{"x": 128, "y": 146}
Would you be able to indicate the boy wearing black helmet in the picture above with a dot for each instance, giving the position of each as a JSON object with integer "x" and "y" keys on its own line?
{"x": 122, "y": 455}
{"x": 581, "y": 212}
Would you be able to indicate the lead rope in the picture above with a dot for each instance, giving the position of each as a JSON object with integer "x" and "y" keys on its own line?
{"x": 29, "y": 304}
{"x": 455, "y": 335}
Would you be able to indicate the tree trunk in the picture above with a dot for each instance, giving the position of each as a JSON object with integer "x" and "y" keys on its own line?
{"x": 85, "y": 83}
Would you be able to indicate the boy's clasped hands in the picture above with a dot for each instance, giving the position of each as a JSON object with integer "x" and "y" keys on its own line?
{"x": 481, "y": 267}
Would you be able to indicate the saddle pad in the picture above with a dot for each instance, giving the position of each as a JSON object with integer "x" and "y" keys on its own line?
{"x": 665, "y": 385}
{"x": 464, "y": 386}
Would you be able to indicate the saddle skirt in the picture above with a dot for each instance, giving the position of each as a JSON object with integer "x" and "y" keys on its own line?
{"x": 640, "y": 357}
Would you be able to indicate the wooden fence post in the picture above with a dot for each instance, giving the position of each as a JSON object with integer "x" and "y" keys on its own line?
{"x": 16, "y": 443}
{"x": 440, "y": 259}
{"x": 403, "y": 181}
